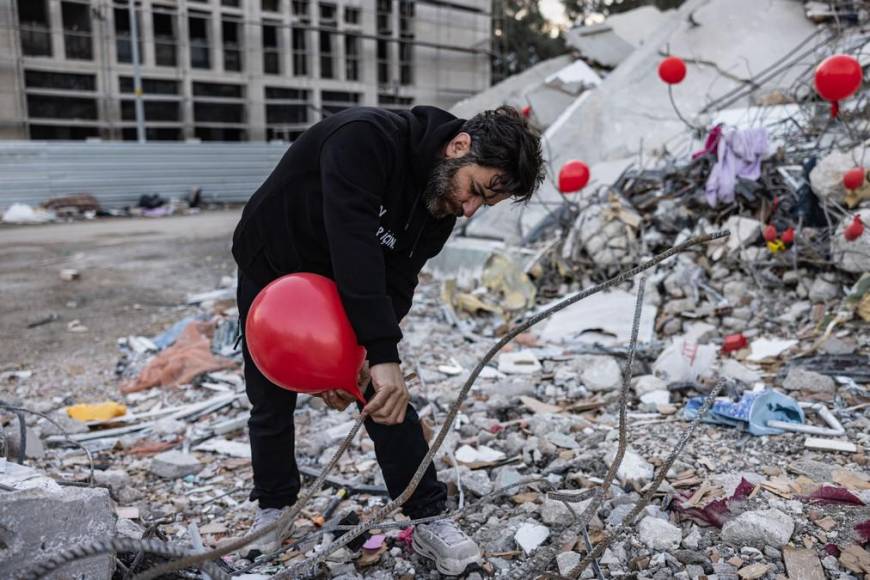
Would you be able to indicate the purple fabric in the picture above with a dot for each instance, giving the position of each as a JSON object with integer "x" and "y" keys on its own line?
{"x": 740, "y": 154}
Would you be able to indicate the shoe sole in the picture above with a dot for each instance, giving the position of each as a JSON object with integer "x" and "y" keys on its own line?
{"x": 442, "y": 567}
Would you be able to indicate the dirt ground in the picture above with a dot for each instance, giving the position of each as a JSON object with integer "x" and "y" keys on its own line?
{"x": 135, "y": 274}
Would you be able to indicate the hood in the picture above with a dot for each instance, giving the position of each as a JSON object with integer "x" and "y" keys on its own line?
{"x": 430, "y": 129}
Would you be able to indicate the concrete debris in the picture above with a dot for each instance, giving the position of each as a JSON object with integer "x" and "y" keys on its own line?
{"x": 759, "y": 528}
{"x": 658, "y": 534}
{"x": 799, "y": 379}
{"x": 175, "y": 464}
{"x": 529, "y": 536}
{"x": 39, "y": 523}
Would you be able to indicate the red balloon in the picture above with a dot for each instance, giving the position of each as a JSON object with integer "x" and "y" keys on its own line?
{"x": 854, "y": 230}
{"x": 300, "y": 338}
{"x": 527, "y": 111}
{"x": 573, "y": 176}
{"x": 769, "y": 233}
{"x": 672, "y": 70}
{"x": 854, "y": 178}
{"x": 838, "y": 77}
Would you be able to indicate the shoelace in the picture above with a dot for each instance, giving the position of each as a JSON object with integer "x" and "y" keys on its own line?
{"x": 448, "y": 530}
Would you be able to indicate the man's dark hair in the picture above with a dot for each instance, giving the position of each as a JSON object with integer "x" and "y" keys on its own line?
{"x": 503, "y": 139}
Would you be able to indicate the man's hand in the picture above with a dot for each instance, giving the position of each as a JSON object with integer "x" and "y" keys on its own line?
{"x": 338, "y": 399}
{"x": 391, "y": 398}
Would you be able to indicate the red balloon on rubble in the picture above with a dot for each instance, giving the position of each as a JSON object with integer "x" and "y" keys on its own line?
{"x": 526, "y": 111}
{"x": 854, "y": 178}
{"x": 672, "y": 70}
{"x": 573, "y": 176}
{"x": 300, "y": 337}
{"x": 855, "y": 229}
{"x": 838, "y": 77}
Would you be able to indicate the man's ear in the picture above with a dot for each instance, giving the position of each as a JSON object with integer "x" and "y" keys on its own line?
{"x": 459, "y": 146}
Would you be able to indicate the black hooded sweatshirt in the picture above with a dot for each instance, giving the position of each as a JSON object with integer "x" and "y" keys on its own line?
{"x": 345, "y": 201}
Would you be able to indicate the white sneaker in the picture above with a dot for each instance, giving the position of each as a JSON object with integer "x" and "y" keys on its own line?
{"x": 444, "y": 542}
{"x": 269, "y": 542}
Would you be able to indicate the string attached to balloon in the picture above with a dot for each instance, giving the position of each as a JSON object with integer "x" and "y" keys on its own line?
{"x": 672, "y": 71}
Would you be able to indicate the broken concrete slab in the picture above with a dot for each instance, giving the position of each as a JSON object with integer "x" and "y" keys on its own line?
{"x": 799, "y": 379}
{"x": 38, "y": 523}
{"x": 530, "y": 535}
{"x": 659, "y": 534}
{"x": 769, "y": 527}
{"x": 604, "y": 318}
{"x": 175, "y": 464}
{"x": 612, "y": 41}
{"x": 463, "y": 259}
{"x": 510, "y": 91}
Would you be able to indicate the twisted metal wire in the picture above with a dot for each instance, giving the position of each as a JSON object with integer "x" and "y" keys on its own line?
{"x": 308, "y": 566}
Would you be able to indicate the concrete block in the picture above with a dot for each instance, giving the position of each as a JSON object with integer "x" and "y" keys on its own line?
{"x": 37, "y": 523}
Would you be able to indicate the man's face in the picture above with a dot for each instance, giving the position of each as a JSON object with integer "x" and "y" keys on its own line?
{"x": 458, "y": 186}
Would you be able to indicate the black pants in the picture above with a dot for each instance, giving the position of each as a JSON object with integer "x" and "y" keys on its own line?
{"x": 398, "y": 448}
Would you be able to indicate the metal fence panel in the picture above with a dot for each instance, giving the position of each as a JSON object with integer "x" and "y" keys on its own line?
{"x": 118, "y": 173}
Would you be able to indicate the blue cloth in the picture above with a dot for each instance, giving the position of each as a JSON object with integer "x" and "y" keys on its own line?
{"x": 169, "y": 336}
{"x": 752, "y": 412}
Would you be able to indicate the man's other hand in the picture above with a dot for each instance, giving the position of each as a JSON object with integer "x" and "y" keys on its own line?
{"x": 338, "y": 400}
{"x": 391, "y": 398}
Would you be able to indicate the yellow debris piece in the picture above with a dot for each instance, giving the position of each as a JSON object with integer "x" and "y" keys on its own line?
{"x": 96, "y": 411}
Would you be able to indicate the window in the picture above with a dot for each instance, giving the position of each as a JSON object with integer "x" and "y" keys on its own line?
{"x": 406, "y": 48}
{"x": 271, "y": 50}
{"x": 286, "y": 106}
{"x": 231, "y": 3}
{"x": 77, "y": 31}
{"x": 61, "y": 132}
{"x": 59, "y": 107}
{"x": 351, "y": 15}
{"x": 37, "y": 79}
{"x": 164, "y": 38}
{"x": 328, "y": 14}
{"x": 34, "y": 27}
{"x": 395, "y": 103}
{"x": 218, "y": 112}
{"x": 385, "y": 17}
{"x": 231, "y": 32}
{"x": 150, "y": 86}
{"x": 326, "y": 55}
{"x": 383, "y": 63}
{"x": 300, "y": 53}
{"x": 154, "y": 110}
{"x": 406, "y": 63}
{"x": 123, "y": 36}
{"x": 220, "y": 134}
{"x": 220, "y": 90}
{"x": 300, "y": 10}
{"x": 153, "y": 134}
{"x": 271, "y": 5}
{"x": 335, "y": 101}
{"x": 352, "y": 57}
{"x": 197, "y": 27}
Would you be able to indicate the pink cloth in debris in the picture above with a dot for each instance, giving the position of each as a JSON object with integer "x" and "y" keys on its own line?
{"x": 180, "y": 363}
{"x": 740, "y": 154}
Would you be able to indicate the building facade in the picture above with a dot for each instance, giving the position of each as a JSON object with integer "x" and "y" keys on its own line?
{"x": 230, "y": 70}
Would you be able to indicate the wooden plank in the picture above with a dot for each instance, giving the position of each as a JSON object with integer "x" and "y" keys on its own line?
{"x": 802, "y": 564}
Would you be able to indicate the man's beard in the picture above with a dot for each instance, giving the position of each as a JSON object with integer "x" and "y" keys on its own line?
{"x": 442, "y": 185}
